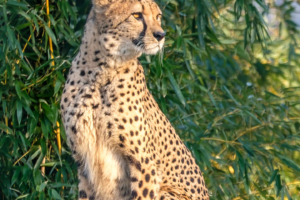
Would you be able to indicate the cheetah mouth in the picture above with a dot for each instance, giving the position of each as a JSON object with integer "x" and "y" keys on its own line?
{"x": 147, "y": 47}
{"x": 152, "y": 50}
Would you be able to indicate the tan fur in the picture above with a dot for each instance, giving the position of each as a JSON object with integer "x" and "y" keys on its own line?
{"x": 124, "y": 145}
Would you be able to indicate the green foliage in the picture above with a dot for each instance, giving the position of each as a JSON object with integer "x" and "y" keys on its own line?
{"x": 231, "y": 91}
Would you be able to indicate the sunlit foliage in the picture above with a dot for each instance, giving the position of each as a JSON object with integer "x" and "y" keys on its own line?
{"x": 228, "y": 81}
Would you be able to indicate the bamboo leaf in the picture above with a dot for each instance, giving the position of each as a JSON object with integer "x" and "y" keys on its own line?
{"x": 55, "y": 195}
{"x": 19, "y": 111}
{"x": 175, "y": 87}
{"x": 51, "y": 34}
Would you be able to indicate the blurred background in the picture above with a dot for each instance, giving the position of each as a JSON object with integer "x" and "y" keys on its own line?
{"x": 228, "y": 80}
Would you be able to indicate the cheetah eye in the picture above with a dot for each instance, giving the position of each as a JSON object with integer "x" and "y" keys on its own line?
{"x": 137, "y": 15}
{"x": 158, "y": 17}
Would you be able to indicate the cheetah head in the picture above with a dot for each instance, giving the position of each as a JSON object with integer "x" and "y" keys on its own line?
{"x": 128, "y": 28}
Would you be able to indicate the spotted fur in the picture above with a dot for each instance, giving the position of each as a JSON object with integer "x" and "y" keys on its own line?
{"x": 123, "y": 144}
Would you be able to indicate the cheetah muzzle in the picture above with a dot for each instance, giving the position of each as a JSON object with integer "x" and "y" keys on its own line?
{"x": 123, "y": 144}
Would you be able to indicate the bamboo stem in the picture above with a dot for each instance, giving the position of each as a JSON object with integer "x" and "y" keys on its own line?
{"x": 50, "y": 40}
{"x": 57, "y": 131}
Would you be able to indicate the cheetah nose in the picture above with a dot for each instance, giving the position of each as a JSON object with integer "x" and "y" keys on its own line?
{"x": 159, "y": 35}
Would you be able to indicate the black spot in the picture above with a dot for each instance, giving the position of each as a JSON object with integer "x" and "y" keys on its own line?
{"x": 95, "y": 106}
{"x": 87, "y": 96}
{"x": 138, "y": 166}
{"x": 82, "y": 73}
{"x": 153, "y": 172}
{"x": 74, "y": 129}
{"x": 101, "y": 64}
{"x": 145, "y": 192}
{"x": 140, "y": 184}
{"x": 96, "y": 59}
{"x": 133, "y": 179}
{"x": 121, "y": 127}
{"x": 96, "y": 52}
{"x": 109, "y": 125}
{"x": 151, "y": 194}
{"x": 79, "y": 115}
{"x": 133, "y": 194}
{"x": 82, "y": 194}
{"x": 147, "y": 178}
{"x": 122, "y": 138}
{"x": 131, "y": 133}
{"x": 107, "y": 82}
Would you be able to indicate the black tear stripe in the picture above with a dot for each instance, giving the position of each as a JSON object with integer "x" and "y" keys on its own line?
{"x": 139, "y": 41}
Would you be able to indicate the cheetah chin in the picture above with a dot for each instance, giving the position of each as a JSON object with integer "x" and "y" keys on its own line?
{"x": 124, "y": 146}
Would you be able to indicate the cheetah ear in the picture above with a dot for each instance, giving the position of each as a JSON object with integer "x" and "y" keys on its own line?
{"x": 101, "y": 3}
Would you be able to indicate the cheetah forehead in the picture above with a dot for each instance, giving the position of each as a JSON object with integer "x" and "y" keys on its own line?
{"x": 127, "y": 5}
{"x": 107, "y": 2}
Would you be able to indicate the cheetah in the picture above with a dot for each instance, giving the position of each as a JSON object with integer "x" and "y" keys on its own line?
{"x": 124, "y": 146}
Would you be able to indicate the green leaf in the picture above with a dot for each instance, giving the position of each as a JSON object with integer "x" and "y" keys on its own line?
{"x": 164, "y": 87}
{"x": 48, "y": 112}
{"x": 175, "y": 86}
{"x": 55, "y": 195}
{"x": 42, "y": 186}
{"x": 39, "y": 161}
{"x": 15, "y": 175}
{"x": 290, "y": 163}
{"x": 50, "y": 33}
{"x": 19, "y": 111}
{"x": 5, "y": 128}
{"x": 287, "y": 194}
{"x": 278, "y": 184}
{"x": 22, "y": 196}
{"x": 18, "y": 89}
{"x": 17, "y": 4}
{"x": 274, "y": 174}
{"x": 49, "y": 164}
{"x": 57, "y": 86}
